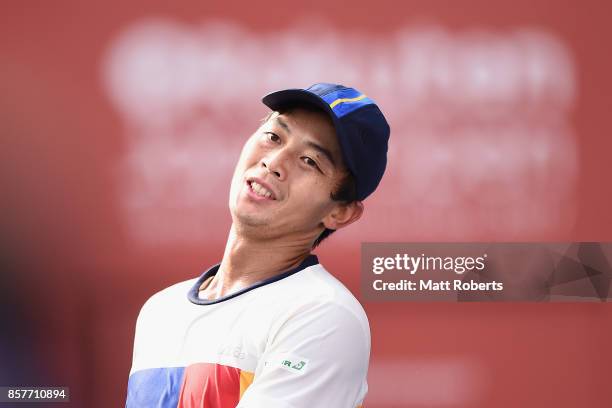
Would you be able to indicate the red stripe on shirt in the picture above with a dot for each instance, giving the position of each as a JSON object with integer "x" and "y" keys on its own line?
{"x": 210, "y": 385}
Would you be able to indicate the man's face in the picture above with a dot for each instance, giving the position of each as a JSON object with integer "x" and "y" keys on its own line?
{"x": 285, "y": 175}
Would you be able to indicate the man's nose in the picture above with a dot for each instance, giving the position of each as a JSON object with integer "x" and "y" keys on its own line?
{"x": 276, "y": 163}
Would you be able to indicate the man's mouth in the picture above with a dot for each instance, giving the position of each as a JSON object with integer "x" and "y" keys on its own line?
{"x": 260, "y": 190}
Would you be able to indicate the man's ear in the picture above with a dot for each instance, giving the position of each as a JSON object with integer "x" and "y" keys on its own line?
{"x": 343, "y": 215}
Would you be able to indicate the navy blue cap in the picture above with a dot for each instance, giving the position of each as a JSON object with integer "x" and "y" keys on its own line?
{"x": 362, "y": 130}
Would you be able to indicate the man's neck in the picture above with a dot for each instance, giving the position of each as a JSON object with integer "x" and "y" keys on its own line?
{"x": 247, "y": 260}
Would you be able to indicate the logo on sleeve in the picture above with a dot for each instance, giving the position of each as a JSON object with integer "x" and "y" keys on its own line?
{"x": 294, "y": 364}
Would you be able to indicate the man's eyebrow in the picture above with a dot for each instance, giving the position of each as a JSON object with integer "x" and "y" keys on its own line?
{"x": 283, "y": 124}
{"x": 325, "y": 152}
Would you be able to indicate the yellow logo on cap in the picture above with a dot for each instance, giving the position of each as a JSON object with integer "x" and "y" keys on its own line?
{"x": 341, "y": 100}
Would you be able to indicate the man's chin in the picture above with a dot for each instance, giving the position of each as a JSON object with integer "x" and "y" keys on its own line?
{"x": 250, "y": 219}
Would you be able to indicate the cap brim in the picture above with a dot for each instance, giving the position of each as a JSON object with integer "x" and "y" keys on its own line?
{"x": 279, "y": 99}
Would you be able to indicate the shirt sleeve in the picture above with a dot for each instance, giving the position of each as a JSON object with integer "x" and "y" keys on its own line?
{"x": 316, "y": 356}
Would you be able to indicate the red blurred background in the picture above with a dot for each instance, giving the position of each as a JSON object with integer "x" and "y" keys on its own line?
{"x": 121, "y": 122}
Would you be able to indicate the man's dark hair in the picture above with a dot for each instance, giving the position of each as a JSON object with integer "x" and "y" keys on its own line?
{"x": 346, "y": 190}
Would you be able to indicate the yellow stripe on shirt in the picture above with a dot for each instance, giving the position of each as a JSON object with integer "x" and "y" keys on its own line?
{"x": 246, "y": 379}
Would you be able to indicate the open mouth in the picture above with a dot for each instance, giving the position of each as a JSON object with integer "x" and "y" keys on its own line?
{"x": 260, "y": 190}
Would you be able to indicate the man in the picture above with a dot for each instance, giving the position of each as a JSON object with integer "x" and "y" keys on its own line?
{"x": 269, "y": 327}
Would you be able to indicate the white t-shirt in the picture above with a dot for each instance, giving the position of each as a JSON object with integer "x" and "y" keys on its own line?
{"x": 299, "y": 339}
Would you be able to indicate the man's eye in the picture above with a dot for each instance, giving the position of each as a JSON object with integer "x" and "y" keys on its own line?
{"x": 273, "y": 137}
{"x": 310, "y": 162}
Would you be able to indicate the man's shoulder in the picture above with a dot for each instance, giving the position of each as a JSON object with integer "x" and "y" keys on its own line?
{"x": 316, "y": 288}
{"x": 173, "y": 294}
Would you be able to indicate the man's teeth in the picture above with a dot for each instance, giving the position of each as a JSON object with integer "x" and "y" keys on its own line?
{"x": 260, "y": 190}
